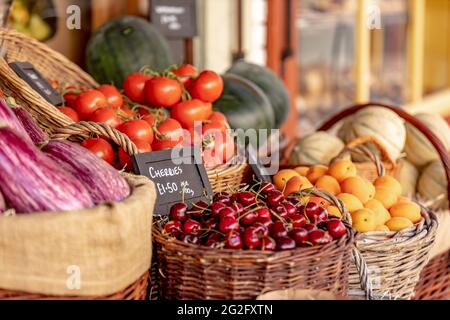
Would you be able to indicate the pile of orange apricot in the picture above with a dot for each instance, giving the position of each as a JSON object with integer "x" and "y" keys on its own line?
{"x": 376, "y": 206}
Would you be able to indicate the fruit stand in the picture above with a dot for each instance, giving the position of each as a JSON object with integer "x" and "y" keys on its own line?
{"x": 150, "y": 177}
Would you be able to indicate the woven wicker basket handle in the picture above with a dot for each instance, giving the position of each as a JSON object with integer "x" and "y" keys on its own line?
{"x": 363, "y": 271}
{"x": 85, "y": 129}
{"x": 419, "y": 125}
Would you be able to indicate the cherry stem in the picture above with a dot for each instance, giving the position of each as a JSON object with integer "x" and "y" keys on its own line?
{"x": 280, "y": 218}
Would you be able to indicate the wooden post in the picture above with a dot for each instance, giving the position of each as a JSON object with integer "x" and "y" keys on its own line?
{"x": 281, "y": 53}
{"x": 416, "y": 50}
{"x": 362, "y": 54}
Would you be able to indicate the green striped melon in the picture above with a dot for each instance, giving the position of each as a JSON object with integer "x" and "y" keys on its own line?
{"x": 432, "y": 185}
{"x": 382, "y": 123}
{"x": 317, "y": 148}
{"x": 418, "y": 149}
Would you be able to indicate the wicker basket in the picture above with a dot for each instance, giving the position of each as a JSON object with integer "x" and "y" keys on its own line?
{"x": 55, "y": 66}
{"x": 192, "y": 272}
{"x": 136, "y": 291}
{"x": 409, "y": 253}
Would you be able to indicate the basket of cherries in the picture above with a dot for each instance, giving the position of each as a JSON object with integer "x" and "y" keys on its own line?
{"x": 256, "y": 240}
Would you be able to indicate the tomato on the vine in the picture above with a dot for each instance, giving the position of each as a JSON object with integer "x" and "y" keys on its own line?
{"x": 150, "y": 119}
{"x": 163, "y": 92}
{"x": 134, "y": 86}
{"x": 218, "y": 148}
{"x": 71, "y": 94}
{"x": 72, "y": 114}
{"x": 107, "y": 116}
{"x": 168, "y": 134}
{"x": 137, "y": 130}
{"x": 101, "y": 148}
{"x": 112, "y": 95}
{"x": 186, "y": 73}
{"x": 88, "y": 102}
{"x": 214, "y": 126}
{"x": 207, "y": 87}
{"x": 190, "y": 111}
{"x": 218, "y": 116}
{"x": 125, "y": 159}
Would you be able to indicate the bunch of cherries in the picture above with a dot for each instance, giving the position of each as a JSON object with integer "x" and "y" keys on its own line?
{"x": 262, "y": 219}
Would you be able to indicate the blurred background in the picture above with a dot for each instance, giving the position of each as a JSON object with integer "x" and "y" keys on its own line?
{"x": 330, "y": 53}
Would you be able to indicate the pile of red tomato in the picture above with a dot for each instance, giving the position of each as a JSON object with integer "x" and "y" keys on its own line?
{"x": 157, "y": 112}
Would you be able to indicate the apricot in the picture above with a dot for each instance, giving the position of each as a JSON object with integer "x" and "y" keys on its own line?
{"x": 403, "y": 199}
{"x": 296, "y": 184}
{"x": 334, "y": 211}
{"x": 342, "y": 169}
{"x": 364, "y": 220}
{"x": 316, "y": 172}
{"x": 382, "y": 228}
{"x": 408, "y": 210}
{"x": 390, "y": 183}
{"x": 328, "y": 184}
{"x": 282, "y": 177}
{"x": 351, "y": 202}
{"x": 386, "y": 197}
{"x": 303, "y": 171}
{"x": 358, "y": 187}
{"x": 380, "y": 211}
{"x": 370, "y": 188}
{"x": 398, "y": 224}
{"x": 320, "y": 201}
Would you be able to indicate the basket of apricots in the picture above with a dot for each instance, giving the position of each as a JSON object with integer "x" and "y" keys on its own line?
{"x": 394, "y": 235}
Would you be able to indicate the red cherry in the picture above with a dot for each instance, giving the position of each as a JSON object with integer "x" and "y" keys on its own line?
{"x": 300, "y": 235}
{"x": 266, "y": 187}
{"x": 189, "y": 238}
{"x": 248, "y": 218}
{"x": 263, "y": 214}
{"x": 319, "y": 237}
{"x": 211, "y": 224}
{"x": 192, "y": 227}
{"x": 294, "y": 200}
{"x": 228, "y": 212}
{"x": 268, "y": 244}
{"x": 228, "y": 224}
{"x": 251, "y": 239}
{"x": 224, "y": 198}
{"x": 298, "y": 220}
{"x": 321, "y": 217}
{"x": 214, "y": 240}
{"x": 261, "y": 229}
{"x": 290, "y": 209}
{"x": 237, "y": 207}
{"x": 234, "y": 198}
{"x": 216, "y": 207}
{"x": 198, "y": 209}
{"x": 311, "y": 209}
{"x": 246, "y": 198}
{"x": 179, "y": 212}
{"x": 274, "y": 198}
{"x": 310, "y": 227}
{"x": 280, "y": 212}
{"x": 285, "y": 243}
{"x": 336, "y": 228}
{"x": 173, "y": 228}
{"x": 234, "y": 241}
{"x": 278, "y": 230}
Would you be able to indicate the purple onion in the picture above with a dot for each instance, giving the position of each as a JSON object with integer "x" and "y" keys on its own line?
{"x": 32, "y": 182}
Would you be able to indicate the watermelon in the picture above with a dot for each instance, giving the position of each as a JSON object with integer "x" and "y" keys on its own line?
{"x": 270, "y": 84}
{"x": 244, "y": 104}
{"x": 125, "y": 45}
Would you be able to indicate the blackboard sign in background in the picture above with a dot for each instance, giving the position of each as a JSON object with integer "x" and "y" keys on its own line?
{"x": 175, "y": 19}
{"x": 172, "y": 179}
{"x": 36, "y": 80}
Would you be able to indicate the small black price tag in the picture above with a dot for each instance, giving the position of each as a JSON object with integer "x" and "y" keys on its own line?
{"x": 258, "y": 169}
{"x": 175, "y": 172}
{"x": 36, "y": 80}
{"x": 176, "y": 19}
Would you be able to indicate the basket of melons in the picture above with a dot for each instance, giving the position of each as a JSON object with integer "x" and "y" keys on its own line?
{"x": 242, "y": 245}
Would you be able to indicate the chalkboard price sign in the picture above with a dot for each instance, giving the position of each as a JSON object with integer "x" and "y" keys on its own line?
{"x": 176, "y": 19}
{"x": 177, "y": 174}
{"x": 36, "y": 80}
{"x": 258, "y": 169}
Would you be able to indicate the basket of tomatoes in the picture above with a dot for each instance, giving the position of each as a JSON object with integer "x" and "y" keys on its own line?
{"x": 155, "y": 111}
{"x": 242, "y": 245}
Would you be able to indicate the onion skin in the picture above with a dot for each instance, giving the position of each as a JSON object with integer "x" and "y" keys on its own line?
{"x": 103, "y": 182}
{"x": 8, "y": 118}
{"x": 32, "y": 182}
{"x": 31, "y": 127}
